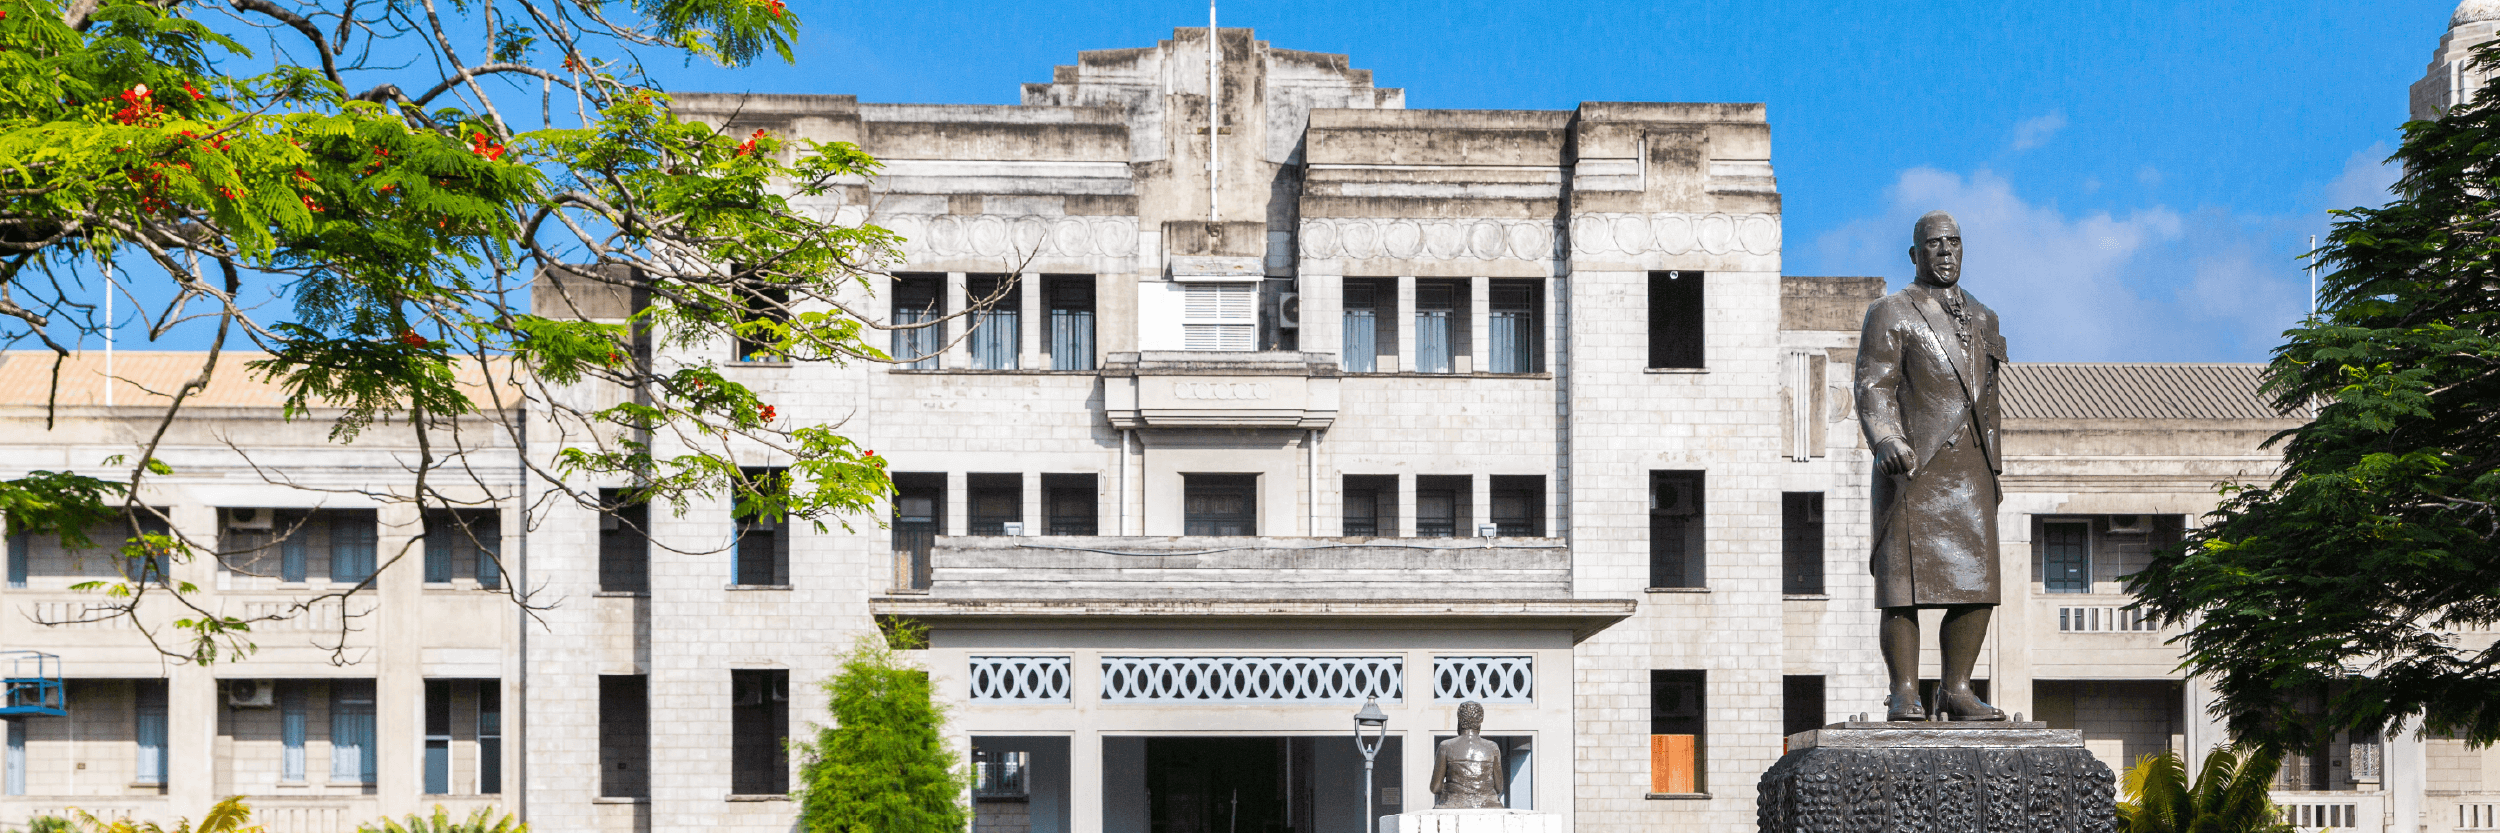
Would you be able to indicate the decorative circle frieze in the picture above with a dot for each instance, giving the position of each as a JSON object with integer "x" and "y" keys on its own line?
{"x": 1483, "y": 239}
{"x": 947, "y": 235}
{"x": 1676, "y": 233}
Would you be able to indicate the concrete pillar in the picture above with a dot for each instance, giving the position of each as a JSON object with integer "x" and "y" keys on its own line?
{"x": 958, "y": 506}
{"x": 2200, "y": 730}
{"x": 1031, "y": 322}
{"x": 958, "y": 353}
{"x": 1406, "y": 504}
{"x": 1415, "y": 757}
{"x": 399, "y": 670}
{"x": 1404, "y": 322}
{"x": 1323, "y": 314}
{"x": 1033, "y": 502}
{"x": 1480, "y": 500}
{"x": 1479, "y": 319}
{"x": 1085, "y": 781}
{"x": 2403, "y": 773}
{"x": 191, "y": 703}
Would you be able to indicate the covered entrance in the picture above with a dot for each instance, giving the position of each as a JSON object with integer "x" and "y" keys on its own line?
{"x": 1297, "y": 784}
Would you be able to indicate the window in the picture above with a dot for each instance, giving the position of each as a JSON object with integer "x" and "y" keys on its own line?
{"x": 1371, "y": 505}
{"x": 1072, "y": 502}
{"x": 1675, "y": 530}
{"x": 919, "y": 299}
{"x": 437, "y": 737}
{"x": 763, "y": 540}
{"x": 1219, "y": 504}
{"x": 1071, "y": 300}
{"x": 352, "y": 546}
{"x": 490, "y": 737}
{"x": 998, "y": 774}
{"x": 919, "y": 514}
{"x": 1512, "y": 309}
{"x": 462, "y": 723}
{"x": 624, "y": 543}
{"x": 1359, "y": 353}
{"x": 992, "y": 501}
{"x": 1440, "y": 325}
{"x": 351, "y": 732}
{"x": 1801, "y": 703}
{"x": 1675, "y": 319}
{"x": 16, "y": 762}
{"x": 157, "y": 564}
{"x": 291, "y": 716}
{"x": 1678, "y": 732}
{"x": 996, "y": 336}
{"x": 1220, "y": 316}
{"x": 624, "y": 736}
{"x": 463, "y": 542}
{"x": 764, "y": 309}
{"x": 1519, "y": 505}
{"x": 148, "y": 705}
{"x": 20, "y": 555}
{"x": 759, "y": 724}
{"x": 2066, "y": 557}
{"x": 1801, "y": 543}
{"x": 1443, "y": 503}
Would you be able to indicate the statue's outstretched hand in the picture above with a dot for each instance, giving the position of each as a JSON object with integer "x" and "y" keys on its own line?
{"x": 1894, "y": 455}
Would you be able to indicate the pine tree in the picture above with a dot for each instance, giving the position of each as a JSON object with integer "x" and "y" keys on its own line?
{"x": 883, "y": 767}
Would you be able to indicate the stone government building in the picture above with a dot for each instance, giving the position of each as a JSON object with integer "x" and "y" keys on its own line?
{"x": 1337, "y": 400}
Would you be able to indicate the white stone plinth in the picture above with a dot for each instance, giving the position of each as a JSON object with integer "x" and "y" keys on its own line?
{"x": 1473, "y": 821}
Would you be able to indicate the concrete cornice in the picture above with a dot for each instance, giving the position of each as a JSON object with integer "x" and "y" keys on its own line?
{"x": 1583, "y": 617}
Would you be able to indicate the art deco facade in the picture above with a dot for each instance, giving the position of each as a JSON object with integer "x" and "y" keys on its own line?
{"x": 1319, "y": 400}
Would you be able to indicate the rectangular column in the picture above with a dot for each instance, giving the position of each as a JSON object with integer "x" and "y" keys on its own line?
{"x": 1033, "y": 502}
{"x": 1480, "y": 500}
{"x": 958, "y": 507}
{"x": 1085, "y": 781}
{"x": 1030, "y": 322}
{"x": 959, "y": 351}
{"x": 1479, "y": 319}
{"x": 1405, "y": 326}
{"x": 1415, "y": 758}
{"x": 1406, "y": 506}
{"x": 399, "y": 670}
{"x": 1323, "y": 314}
{"x": 191, "y": 701}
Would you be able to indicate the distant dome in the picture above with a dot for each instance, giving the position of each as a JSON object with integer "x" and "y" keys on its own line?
{"x": 2473, "y": 11}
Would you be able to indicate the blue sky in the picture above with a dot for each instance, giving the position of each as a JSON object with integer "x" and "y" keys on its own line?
{"x": 2136, "y": 179}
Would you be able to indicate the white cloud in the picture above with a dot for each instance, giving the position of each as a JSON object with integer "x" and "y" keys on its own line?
{"x": 2153, "y": 284}
{"x": 2365, "y": 180}
{"x": 2033, "y": 132}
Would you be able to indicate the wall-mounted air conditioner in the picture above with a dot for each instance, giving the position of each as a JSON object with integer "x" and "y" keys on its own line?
{"x": 256, "y": 517}
{"x": 1288, "y": 311}
{"x": 251, "y": 694}
{"x": 2129, "y": 524}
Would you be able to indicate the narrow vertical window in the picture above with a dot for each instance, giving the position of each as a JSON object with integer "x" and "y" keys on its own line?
{"x": 1678, "y": 732}
{"x": 485, "y": 540}
{"x": 351, "y": 732}
{"x": 1676, "y": 314}
{"x": 763, "y": 311}
{"x": 1442, "y": 505}
{"x": 20, "y": 554}
{"x": 763, "y": 557}
{"x": 156, "y": 563}
{"x": 2066, "y": 557}
{"x": 149, "y": 705}
{"x": 489, "y": 737}
{"x": 1518, "y": 503}
{"x": 437, "y": 737}
{"x": 759, "y": 719}
{"x": 1358, "y": 352}
{"x": 919, "y": 299}
{"x": 291, "y": 731}
{"x": 438, "y": 547}
{"x": 1676, "y": 516}
{"x": 1801, "y": 703}
{"x": 295, "y": 552}
{"x": 1073, "y": 503}
{"x": 919, "y": 515}
{"x": 1071, "y": 300}
{"x": 992, "y": 501}
{"x": 1220, "y": 316}
{"x": 1801, "y": 543}
{"x": 352, "y": 545}
{"x": 624, "y": 543}
{"x": 1512, "y": 309}
{"x": 17, "y": 757}
{"x": 996, "y": 333}
{"x": 1434, "y": 303}
{"x": 1219, "y": 504}
{"x": 1371, "y": 505}
{"x": 624, "y": 736}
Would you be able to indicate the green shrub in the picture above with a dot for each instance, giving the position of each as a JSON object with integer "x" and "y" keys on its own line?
{"x": 481, "y": 821}
{"x": 882, "y": 767}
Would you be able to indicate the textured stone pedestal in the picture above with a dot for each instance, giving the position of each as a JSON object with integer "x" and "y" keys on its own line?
{"x": 1472, "y": 821}
{"x": 1937, "y": 778}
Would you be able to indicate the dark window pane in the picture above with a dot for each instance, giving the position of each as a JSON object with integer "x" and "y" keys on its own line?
{"x": 1519, "y": 505}
{"x": 1371, "y": 507}
{"x": 918, "y": 299}
{"x": 624, "y": 736}
{"x": 997, "y": 328}
{"x": 1801, "y": 703}
{"x": 1679, "y": 723}
{"x": 1676, "y": 546}
{"x": 1801, "y": 542}
{"x": 1219, "y": 504}
{"x": 919, "y": 515}
{"x": 1071, "y": 299}
{"x": 2066, "y": 557}
{"x": 763, "y": 556}
{"x": 759, "y": 717}
{"x": 1675, "y": 319}
{"x": 1072, "y": 503}
{"x": 992, "y": 501}
{"x": 624, "y": 544}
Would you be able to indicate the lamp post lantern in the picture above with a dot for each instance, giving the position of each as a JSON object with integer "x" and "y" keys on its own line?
{"x": 1370, "y": 717}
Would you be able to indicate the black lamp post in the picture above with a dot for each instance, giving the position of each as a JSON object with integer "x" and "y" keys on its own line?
{"x": 1370, "y": 717}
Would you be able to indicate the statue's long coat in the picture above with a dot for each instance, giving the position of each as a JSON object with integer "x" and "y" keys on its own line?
{"x": 1935, "y": 528}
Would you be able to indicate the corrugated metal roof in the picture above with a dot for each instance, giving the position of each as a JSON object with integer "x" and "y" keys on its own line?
{"x": 2138, "y": 390}
{"x": 150, "y": 378}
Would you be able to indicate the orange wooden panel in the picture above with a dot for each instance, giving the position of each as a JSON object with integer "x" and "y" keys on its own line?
{"x": 1671, "y": 763}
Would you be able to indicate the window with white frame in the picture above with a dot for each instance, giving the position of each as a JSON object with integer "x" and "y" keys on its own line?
{"x": 1220, "y": 316}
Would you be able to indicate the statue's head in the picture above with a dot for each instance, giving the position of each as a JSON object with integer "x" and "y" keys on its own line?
{"x": 1936, "y": 247}
{"x": 1470, "y": 716}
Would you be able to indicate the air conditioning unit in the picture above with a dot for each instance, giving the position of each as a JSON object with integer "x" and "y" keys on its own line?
{"x": 258, "y": 517}
{"x": 252, "y": 694}
{"x": 2129, "y": 524}
{"x": 1288, "y": 311}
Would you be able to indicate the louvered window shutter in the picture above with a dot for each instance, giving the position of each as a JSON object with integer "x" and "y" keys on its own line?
{"x": 1220, "y": 316}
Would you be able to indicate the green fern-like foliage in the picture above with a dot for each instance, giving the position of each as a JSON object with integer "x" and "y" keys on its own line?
{"x": 50, "y": 824}
{"x": 883, "y": 766}
{"x": 483, "y": 820}
{"x": 2227, "y": 796}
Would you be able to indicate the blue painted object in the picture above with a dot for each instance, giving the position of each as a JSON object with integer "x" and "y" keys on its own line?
{"x": 33, "y": 685}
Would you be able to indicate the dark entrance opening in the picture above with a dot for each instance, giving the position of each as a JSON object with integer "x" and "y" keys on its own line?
{"x": 1216, "y": 785}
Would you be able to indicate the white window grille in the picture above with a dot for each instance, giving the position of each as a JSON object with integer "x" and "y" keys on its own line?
{"x": 2478, "y": 817}
{"x": 2313, "y": 816}
{"x": 1253, "y": 679}
{"x": 1484, "y": 679}
{"x": 1020, "y": 679}
{"x": 1220, "y": 316}
{"x": 2104, "y": 620}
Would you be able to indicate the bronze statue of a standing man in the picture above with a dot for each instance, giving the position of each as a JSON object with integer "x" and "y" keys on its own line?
{"x": 1927, "y": 397}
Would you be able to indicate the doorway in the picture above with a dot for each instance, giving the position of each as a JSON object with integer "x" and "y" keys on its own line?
{"x": 1215, "y": 785}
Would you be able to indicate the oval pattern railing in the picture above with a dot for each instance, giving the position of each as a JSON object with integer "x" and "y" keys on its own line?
{"x": 1020, "y": 679}
{"x": 1484, "y": 679}
{"x": 1253, "y": 679}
